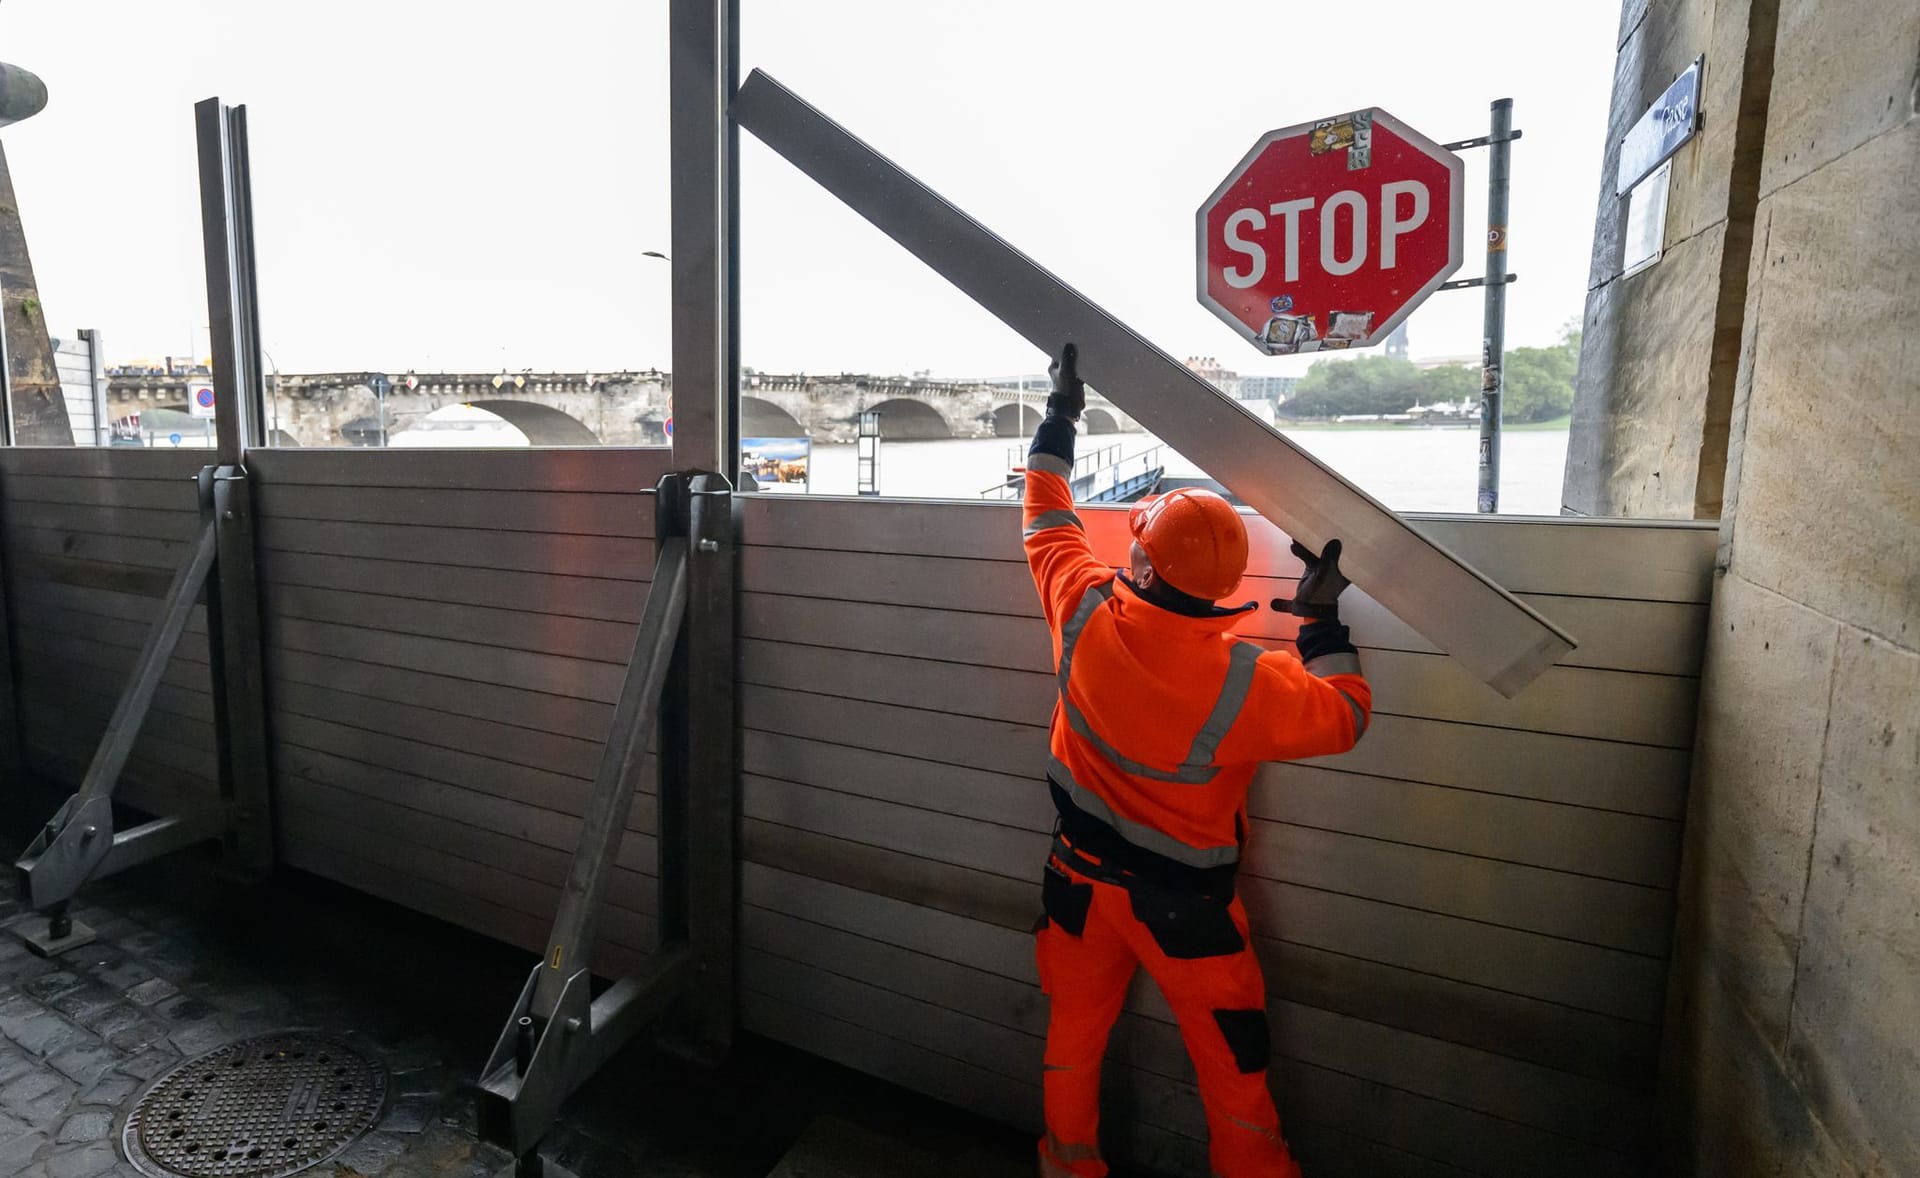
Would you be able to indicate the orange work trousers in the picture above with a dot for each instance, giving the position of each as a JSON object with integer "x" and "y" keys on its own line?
{"x": 1197, "y": 950}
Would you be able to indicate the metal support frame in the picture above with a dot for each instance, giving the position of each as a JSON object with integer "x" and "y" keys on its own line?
{"x": 1495, "y": 636}
{"x": 679, "y": 684}
{"x": 233, "y": 597}
{"x": 97, "y": 386}
{"x": 704, "y": 37}
{"x": 79, "y": 843}
{"x": 1493, "y": 355}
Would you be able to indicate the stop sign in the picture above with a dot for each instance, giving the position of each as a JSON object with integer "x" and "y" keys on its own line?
{"x": 1328, "y": 234}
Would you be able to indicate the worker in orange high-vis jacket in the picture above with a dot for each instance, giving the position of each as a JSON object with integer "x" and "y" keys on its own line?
{"x": 1162, "y": 718}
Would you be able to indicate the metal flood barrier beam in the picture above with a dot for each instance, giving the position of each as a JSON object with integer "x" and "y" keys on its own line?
{"x": 1496, "y": 636}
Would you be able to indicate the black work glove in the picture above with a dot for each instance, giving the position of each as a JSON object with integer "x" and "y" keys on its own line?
{"x": 1318, "y": 594}
{"x": 1069, "y": 396}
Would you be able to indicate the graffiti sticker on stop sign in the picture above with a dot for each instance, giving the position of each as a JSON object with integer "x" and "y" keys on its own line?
{"x": 1328, "y": 234}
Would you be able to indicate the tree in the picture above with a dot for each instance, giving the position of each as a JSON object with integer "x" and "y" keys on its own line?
{"x": 1539, "y": 381}
{"x": 1449, "y": 383}
{"x": 1371, "y": 384}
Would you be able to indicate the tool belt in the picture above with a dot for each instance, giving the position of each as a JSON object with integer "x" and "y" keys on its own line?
{"x": 1097, "y": 851}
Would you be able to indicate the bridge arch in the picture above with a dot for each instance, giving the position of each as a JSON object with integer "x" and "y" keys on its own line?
{"x": 543, "y": 424}
{"x": 1014, "y": 420}
{"x": 761, "y": 418}
{"x": 904, "y": 420}
{"x": 1099, "y": 421}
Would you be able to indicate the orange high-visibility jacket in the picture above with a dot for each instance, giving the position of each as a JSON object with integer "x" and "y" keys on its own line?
{"x": 1162, "y": 718}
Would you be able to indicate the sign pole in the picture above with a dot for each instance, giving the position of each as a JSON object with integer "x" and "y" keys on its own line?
{"x": 1494, "y": 346}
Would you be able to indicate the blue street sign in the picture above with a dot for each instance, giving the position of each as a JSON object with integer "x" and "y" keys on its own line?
{"x": 1669, "y": 122}
{"x": 174, "y": 438}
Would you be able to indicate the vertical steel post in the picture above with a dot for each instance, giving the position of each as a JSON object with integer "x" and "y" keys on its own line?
{"x": 1494, "y": 346}
{"x": 711, "y": 777}
{"x": 233, "y": 601}
{"x": 867, "y": 454}
{"x": 97, "y": 386}
{"x": 706, "y": 209}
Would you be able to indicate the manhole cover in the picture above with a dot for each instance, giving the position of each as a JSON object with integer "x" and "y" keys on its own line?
{"x": 258, "y": 1108}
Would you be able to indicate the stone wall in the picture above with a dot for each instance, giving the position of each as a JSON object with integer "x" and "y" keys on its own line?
{"x": 1793, "y": 1032}
{"x": 1660, "y": 348}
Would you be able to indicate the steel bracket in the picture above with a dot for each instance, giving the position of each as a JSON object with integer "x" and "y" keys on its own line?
{"x": 1464, "y": 283}
{"x": 1478, "y": 141}
{"x": 678, "y": 685}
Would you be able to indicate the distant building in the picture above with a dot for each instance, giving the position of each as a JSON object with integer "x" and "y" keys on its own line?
{"x": 1209, "y": 369}
{"x": 1276, "y": 389}
{"x": 1396, "y": 345}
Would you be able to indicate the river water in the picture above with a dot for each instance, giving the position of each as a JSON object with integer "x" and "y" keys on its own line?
{"x": 1408, "y": 469}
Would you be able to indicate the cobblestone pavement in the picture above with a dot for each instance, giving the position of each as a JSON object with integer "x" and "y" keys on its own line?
{"x": 186, "y": 962}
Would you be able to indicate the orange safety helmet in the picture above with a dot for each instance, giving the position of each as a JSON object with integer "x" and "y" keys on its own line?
{"x": 1195, "y": 540}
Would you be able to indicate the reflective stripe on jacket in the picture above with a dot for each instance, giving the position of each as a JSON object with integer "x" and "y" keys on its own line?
{"x": 1162, "y": 718}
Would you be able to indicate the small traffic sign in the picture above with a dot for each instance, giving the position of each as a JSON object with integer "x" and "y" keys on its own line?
{"x": 380, "y": 383}
{"x": 174, "y": 438}
{"x": 200, "y": 398}
{"x": 1328, "y": 234}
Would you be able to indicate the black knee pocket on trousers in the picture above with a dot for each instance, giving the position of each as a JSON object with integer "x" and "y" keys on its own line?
{"x": 1186, "y": 925}
{"x": 1247, "y": 1037}
{"x": 1065, "y": 902}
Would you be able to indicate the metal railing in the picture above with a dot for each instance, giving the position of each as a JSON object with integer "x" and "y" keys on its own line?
{"x": 1102, "y": 475}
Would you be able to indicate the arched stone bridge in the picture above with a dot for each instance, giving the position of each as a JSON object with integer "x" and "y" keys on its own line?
{"x": 631, "y": 408}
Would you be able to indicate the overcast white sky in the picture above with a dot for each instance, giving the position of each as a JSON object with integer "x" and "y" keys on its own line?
{"x": 470, "y": 184}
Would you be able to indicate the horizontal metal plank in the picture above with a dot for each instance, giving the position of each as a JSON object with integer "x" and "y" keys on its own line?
{"x": 1654, "y": 636}
{"x": 80, "y": 707}
{"x": 576, "y": 513}
{"x": 994, "y": 745}
{"x": 55, "y": 678}
{"x": 177, "y": 495}
{"x": 1609, "y": 705}
{"x": 992, "y": 693}
{"x": 610, "y": 557}
{"x": 87, "y": 574}
{"x": 105, "y": 632}
{"x": 1587, "y": 977}
{"x": 601, "y": 468}
{"x": 300, "y": 768}
{"x": 927, "y": 834}
{"x": 109, "y": 603}
{"x": 541, "y": 633}
{"x": 926, "y": 882}
{"x": 111, "y": 462}
{"x": 539, "y": 751}
{"x": 103, "y": 521}
{"x": 52, "y": 653}
{"x": 535, "y": 592}
{"x": 1579, "y": 1042}
{"x": 1555, "y": 903}
{"x": 1573, "y": 701}
{"x": 1627, "y": 847}
{"x": 1623, "y": 559}
{"x": 1459, "y": 1134}
{"x": 348, "y": 865}
{"x": 65, "y": 731}
{"x": 1526, "y": 1093}
{"x": 575, "y": 678}
{"x": 482, "y": 881}
{"x": 528, "y": 814}
{"x": 628, "y": 889}
{"x": 145, "y": 786}
{"x": 1633, "y": 779}
{"x": 1602, "y": 774}
{"x": 511, "y": 707}
{"x": 482, "y": 774}
{"x": 1008, "y": 800}
{"x": 138, "y": 551}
